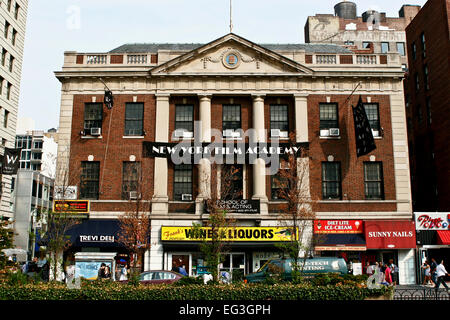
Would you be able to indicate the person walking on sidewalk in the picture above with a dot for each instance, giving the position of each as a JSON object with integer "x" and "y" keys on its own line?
{"x": 433, "y": 266}
{"x": 441, "y": 273}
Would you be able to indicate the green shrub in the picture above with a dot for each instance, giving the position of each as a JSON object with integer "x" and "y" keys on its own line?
{"x": 189, "y": 281}
{"x": 108, "y": 290}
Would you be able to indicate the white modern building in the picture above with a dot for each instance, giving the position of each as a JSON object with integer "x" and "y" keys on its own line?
{"x": 13, "y": 17}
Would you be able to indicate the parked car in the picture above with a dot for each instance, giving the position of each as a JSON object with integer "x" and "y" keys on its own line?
{"x": 310, "y": 269}
{"x": 158, "y": 277}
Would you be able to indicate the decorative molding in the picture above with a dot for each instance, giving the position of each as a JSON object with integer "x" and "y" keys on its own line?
{"x": 222, "y": 58}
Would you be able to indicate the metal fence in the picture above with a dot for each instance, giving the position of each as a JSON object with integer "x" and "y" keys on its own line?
{"x": 421, "y": 294}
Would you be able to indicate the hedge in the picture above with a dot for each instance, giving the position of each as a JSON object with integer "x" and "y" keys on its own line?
{"x": 118, "y": 291}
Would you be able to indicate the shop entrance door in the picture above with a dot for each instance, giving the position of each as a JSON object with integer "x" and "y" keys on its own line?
{"x": 179, "y": 260}
{"x": 234, "y": 264}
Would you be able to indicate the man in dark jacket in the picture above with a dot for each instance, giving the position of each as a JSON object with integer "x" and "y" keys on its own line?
{"x": 433, "y": 267}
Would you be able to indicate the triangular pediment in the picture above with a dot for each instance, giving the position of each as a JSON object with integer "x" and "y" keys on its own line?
{"x": 230, "y": 54}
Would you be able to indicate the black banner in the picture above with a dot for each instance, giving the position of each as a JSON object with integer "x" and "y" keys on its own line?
{"x": 238, "y": 150}
{"x": 11, "y": 161}
{"x": 363, "y": 133}
{"x": 236, "y": 206}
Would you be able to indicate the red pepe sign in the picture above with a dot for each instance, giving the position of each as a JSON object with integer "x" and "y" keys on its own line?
{"x": 385, "y": 234}
{"x": 338, "y": 226}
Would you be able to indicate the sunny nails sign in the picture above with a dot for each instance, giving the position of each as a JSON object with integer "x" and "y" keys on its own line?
{"x": 390, "y": 234}
{"x": 432, "y": 221}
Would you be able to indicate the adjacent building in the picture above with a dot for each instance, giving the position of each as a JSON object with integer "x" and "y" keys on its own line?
{"x": 372, "y": 32}
{"x": 170, "y": 93}
{"x": 13, "y": 16}
{"x": 428, "y": 104}
{"x": 33, "y": 195}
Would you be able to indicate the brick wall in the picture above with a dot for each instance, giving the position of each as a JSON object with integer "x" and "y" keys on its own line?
{"x": 426, "y": 139}
{"x": 120, "y": 149}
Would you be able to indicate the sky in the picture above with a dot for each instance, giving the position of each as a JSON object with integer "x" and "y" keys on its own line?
{"x": 101, "y": 25}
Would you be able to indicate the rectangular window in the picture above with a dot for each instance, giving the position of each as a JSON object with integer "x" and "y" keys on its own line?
{"x": 37, "y": 156}
{"x": 414, "y": 50}
{"x": 5, "y": 119}
{"x": 419, "y": 113}
{"x": 1, "y": 85}
{"x": 232, "y": 182}
{"x": 89, "y": 183}
{"x": 134, "y": 119}
{"x": 279, "y": 119}
{"x": 93, "y": 116}
{"x": 331, "y": 180}
{"x": 131, "y": 173}
{"x": 401, "y": 48}
{"x": 4, "y": 52}
{"x": 38, "y": 144}
{"x": 231, "y": 118}
{"x": 8, "y": 90}
{"x": 9, "y": 3}
{"x": 373, "y": 180}
{"x": 11, "y": 63}
{"x": 7, "y": 25}
{"x": 279, "y": 186}
{"x": 184, "y": 118}
{"x": 429, "y": 110}
{"x": 14, "y": 37}
{"x": 366, "y": 44}
{"x": 422, "y": 42}
{"x": 182, "y": 182}
{"x": 384, "y": 47}
{"x": 373, "y": 116}
{"x": 426, "y": 83}
{"x": 16, "y": 11}
{"x": 328, "y": 115}
{"x": 416, "y": 78}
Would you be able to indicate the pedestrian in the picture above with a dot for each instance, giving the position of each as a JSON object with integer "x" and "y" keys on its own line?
{"x": 394, "y": 271}
{"x": 107, "y": 272}
{"x": 123, "y": 273}
{"x": 182, "y": 270}
{"x": 368, "y": 269}
{"x": 427, "y": 273}
{"x": 175, "y": 268}
{"x": 101, "y": 271}
{"x": 388, "y": 274}
{"x": 441, "y": 273}
{"x": 433, "y": 267}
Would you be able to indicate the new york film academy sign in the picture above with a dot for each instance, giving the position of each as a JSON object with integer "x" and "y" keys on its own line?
{"x": 238, "y": 152}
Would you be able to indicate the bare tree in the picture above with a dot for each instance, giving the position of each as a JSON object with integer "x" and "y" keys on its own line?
{"x": 134, "y": 224}
{"x": 213, "y": 231}
{"x": 56, "y": 223}
{"x": 298, "y": 216}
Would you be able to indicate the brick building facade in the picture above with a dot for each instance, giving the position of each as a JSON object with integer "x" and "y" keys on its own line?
{"x": 234, "y": 83}
{"x": 428, "y": 104}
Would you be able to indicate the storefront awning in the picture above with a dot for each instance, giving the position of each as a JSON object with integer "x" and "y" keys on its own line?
{"x": 99, "y": 233}
{"x": 340, "y": 242}
{"x": 443, "y": 237}
{"x": 234, "y": 246}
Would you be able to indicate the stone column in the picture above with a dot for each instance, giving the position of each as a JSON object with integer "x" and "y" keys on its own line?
{"x": 301, "y": 118}
{"x": 160, "y": 198}
{"x": 204, "y": 167}
{"x": 259, "y": 168}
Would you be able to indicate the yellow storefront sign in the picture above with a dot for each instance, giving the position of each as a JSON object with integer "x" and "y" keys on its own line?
{"x": 227, "y": 234}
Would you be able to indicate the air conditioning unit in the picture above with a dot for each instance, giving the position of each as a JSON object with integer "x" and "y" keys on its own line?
{"x": 229, "y": 133}
{"x": 96, "y": 131}
{"x": 375, "y": 133}
{"x": 324, "y": 132}
{"x": 275, "y": 133}
{"x": 134, "y": 195}
{"x": 182, "y": 133}
{"x": 186, "y": 197}
{"x": 334, "y": 132}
